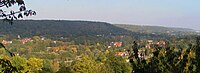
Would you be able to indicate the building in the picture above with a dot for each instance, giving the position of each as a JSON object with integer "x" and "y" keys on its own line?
{"x": 121, "y": 53}
{"x": 26, "y": 40}
{"x": 5, "y": 42}
{"x": 150, "y": 41}
{"x": 118, "y": 44}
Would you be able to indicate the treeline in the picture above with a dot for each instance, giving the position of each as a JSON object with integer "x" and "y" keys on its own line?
{"x": 155, "y": 29}
{"x": 60, "y": 28}
{"x": 83, "y": 29}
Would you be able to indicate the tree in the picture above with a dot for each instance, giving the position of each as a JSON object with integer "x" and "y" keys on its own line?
{"x": 6, "y": 66}
{"x": 117, "y": 64}
{"x": 198, "y": 52}
{"x": 10, "y": 16}
{"x": 35, "y": 64}
{"x": 85, "y": 65}
{"x": 18, "y": 64}
{"x": 168, "y": 61}
{"x": 2, "y": 46}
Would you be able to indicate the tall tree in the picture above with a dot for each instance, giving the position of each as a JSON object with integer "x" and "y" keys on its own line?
{"x": 198, "y": 52}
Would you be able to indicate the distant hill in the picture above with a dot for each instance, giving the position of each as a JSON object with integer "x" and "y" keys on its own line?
{"x": 154, "y": 29}
{"x": 60, "y": 28}
{"x": 64, "y": 28}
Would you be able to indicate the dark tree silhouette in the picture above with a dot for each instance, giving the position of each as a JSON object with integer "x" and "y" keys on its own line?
{"x": 9, "y": 16}
{"x": 9, "y": 68}
{"x": 198, "y": 52}
{"x": 135, "y": 49}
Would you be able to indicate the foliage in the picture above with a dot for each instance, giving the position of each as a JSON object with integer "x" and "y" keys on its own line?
{"x": 18, "y": 64}
{"x": 85, "y": 64}
{"x": 117, "y": 64}
{"x": 35, "y": 64}
{"x": 155, "y": 29}
{"x": 168, "y": 61}
{"x": 198, "y": 52}
{"x": 6, "y": 66}
{"x": 94, "y": 53}
{"x": 62, "y": 28}
{"x": 12, "y": 15}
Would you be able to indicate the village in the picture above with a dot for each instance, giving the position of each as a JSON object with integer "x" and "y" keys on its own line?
{"x": 145, "y": 49}
{"x": 59, "y": 51}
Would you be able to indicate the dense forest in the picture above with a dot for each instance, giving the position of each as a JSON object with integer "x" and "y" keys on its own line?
{"x": 156, "y": 29}
{"x": 53, "y": 46}
{"x": 87, "y": 30}
{"x": 64, "y": 28}
{"x": 60, "y": 28}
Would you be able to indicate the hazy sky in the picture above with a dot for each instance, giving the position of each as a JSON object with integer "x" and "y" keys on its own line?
{"x": 173, "y": 13}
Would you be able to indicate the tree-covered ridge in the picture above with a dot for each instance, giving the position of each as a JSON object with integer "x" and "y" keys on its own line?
{"x": 56, "y": 28}
{"x": 156, "y": 29}
{"x": 64, "y": 28}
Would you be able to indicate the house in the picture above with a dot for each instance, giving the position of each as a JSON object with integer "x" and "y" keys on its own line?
{"x": 18, "y": 36}
{"x": 48, "y": 48}
{"x": 148, "y": 46}
{"x": 141, "y": 54}
{"x": 158, "y": 43}
{"x": 109, "y": 47}
{"x": 161, "y": 43}
{"x": 121, "y": 53}
{"x": 118, "y": 44}
{"x": 150, "y": 41}
{"x": 115, "y": 44}
{"x": 25, "y": 40}
{"x": 5, "y": 42}
{"x": 42, "y": 38}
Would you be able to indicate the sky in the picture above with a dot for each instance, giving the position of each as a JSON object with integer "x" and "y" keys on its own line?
{"x": 170, "y": 13}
